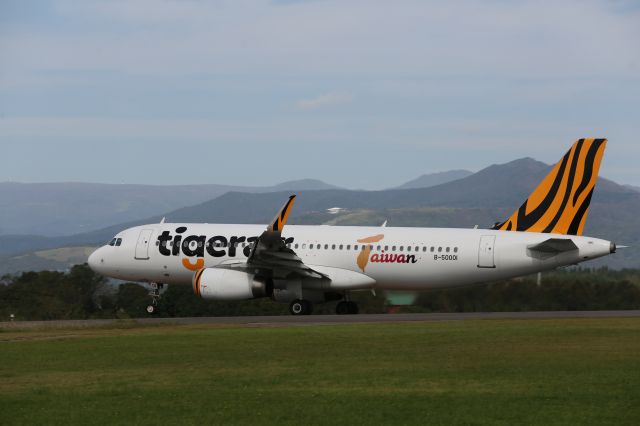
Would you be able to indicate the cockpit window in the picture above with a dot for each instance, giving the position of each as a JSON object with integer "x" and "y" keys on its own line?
{"x": 113, "y": 242}
{"x": 118, "y": 242}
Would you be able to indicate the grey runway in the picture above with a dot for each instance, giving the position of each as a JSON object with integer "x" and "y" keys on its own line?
{"x": 276, "y": 321}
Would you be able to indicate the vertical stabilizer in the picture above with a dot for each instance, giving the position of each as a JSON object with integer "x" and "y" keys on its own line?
{"x": 559, "y": 205}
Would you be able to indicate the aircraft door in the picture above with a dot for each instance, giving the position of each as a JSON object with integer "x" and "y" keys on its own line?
{"x": 142, "y": 247}
{"x": 486, "y": 257}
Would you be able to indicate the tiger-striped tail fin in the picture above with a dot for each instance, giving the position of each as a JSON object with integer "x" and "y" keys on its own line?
{"x": 559, "y": 205}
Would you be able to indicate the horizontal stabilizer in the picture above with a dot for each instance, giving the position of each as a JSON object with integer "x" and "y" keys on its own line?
{"x": 554, "y": 245}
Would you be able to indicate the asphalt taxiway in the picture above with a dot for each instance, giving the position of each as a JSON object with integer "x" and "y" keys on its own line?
{"x": 275, "y": 321}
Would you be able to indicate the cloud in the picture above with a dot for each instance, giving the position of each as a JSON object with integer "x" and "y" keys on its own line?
{"x": 433, "y": 76}
{"x": 325, "y": 100}
{"x": 521, "y": 39}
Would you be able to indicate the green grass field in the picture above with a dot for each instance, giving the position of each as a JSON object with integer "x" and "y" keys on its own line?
{"x": 581, "y": 371}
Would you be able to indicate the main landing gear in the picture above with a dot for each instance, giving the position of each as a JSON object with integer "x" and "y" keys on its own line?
{"x": 346, "y": 307}
{"x": 155, "y": 297}
{"x": 300, "y": 307}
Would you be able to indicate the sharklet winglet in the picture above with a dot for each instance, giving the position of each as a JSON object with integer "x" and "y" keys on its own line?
{"x": 281, "y": 218}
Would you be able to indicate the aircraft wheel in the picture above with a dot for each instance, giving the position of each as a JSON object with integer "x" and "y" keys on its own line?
{"x": 352, "y": 307}
{"x": 300, "y": 307}
{"x": 342, "y": 308}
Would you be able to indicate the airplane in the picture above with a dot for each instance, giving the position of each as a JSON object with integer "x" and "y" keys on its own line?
{"x": 305, "y": 265}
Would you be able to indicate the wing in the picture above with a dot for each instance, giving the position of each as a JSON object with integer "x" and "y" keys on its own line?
{"x": 270, "y": 255}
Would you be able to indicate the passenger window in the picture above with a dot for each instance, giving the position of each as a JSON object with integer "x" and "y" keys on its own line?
{"x": 417, "y": 248}
{"x": 310, "y": 246}
{"x": 386, "y": 248}
{"x": 447, "y": 250}
{"x": 355, "y": 247}
{"x": 439, "y": 249}
{"x": 408, "y": 248}
{"x": 455, "y": 249}
{"x": 401, "y": 248}
{"x": 340, "y": 247}
{"x": 424, "y": 248}
{"x": 296, "y": 246}
{"x": 393, "y": 248}
{"x": 333, "y": 246}
{"x": 349, "y": 247}
{"x": 432, "y": 249}
{"x": 158, "y": 243}
{"x": 378, "y": 248}
{"x": 326, "y": 246}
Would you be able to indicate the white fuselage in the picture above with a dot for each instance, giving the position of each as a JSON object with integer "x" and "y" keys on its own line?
{"x": 400, "y": 259}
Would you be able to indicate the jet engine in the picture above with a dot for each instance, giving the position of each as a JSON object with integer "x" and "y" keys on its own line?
{"x": 229, "y": 284}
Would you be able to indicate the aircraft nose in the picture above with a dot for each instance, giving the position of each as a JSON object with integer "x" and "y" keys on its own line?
{"x": 95, "y": 260}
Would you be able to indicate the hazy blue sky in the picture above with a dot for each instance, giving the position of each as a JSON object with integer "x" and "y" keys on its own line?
{"x": 358, "y": 93}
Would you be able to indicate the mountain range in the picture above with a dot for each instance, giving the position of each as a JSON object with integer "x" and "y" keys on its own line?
{"x": 56, "y": 209}
{"x": 482, "y": 198}
{"x": 59, "y": 209}
{"x": 433, "y": 179}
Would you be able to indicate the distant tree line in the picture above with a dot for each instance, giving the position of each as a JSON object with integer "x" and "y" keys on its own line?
{"x": 82, "y": 294}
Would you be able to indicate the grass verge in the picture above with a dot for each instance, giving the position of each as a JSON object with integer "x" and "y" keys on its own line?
{"x": 570, "y": 371}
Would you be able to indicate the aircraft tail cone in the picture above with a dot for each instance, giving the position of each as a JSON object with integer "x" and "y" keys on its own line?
{"x": 615, "y": 247}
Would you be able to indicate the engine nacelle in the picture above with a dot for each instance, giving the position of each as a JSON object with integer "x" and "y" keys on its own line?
{"x": 228, "y": 284}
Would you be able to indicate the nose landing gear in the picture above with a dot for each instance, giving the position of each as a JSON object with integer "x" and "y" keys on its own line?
{"x": 155, "y": 297}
